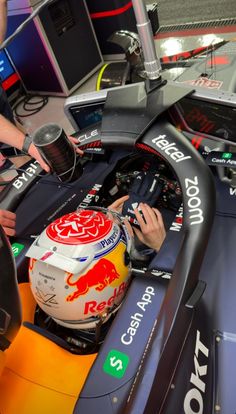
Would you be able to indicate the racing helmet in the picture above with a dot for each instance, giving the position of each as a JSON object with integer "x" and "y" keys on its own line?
{"x": 78, "y": 267}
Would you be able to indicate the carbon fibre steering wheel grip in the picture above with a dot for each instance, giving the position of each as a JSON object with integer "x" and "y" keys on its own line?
{"x": 146, "y": 188}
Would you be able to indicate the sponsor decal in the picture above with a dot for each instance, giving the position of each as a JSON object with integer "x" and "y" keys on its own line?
{"x": 178, "y": 221}
{"x": 207, "y": 150}
{"x": 225, "y": 158}
{"x": 102, "y": 274}
{"x": 227, "y": 155}
{"x": 161, "y": 274}
{"x": 223, "y": 161}
{"x": 46, "y": 256}
{"x": 129, "y": 217}
{"x": 80, "y": 227}
{"x": 198, "y": 143}
{"x": 95, "y": 307}
{"x": 183, "y": 55}
{"x": 232, "y": 191}
{"x": 193, "y": 402}
{"x": 48, "y": 299}
{"x": 45, "y": 276}
{"x": 194, "y": 202}
{"x": 17, "y": 248}
{"x": 61, "y": 207}
{"x": 93, "y": 150}
{"x": 23, "y": 178}
{"x": 91, "y": 196}
{"x": 170, "y": 149}
{"x": 205, "y": 82}
{"x": 87, "y": 136}
{"x": 136, "y": 319}
{"x": 116, "y": 363}
{"x": 111, "y": 239}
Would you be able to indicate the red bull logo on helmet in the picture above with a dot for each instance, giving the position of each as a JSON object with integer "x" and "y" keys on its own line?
{"x": 80, "y": 227}
{"x": 102, "y": 274}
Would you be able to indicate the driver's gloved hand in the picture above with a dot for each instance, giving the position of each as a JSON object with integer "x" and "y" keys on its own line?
{"x": 146, "y": 188}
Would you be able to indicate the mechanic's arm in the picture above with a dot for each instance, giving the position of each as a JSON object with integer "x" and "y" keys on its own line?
{"x": 8, "y": 222}
{"x": 152, "y": 231}
{"x": 11, "y": 135}
{"x": 3, "y": 19}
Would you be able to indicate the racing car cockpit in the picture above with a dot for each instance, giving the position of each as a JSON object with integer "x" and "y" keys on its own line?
{"x": 170, "y": 345}
{"x": 148, "y": 331}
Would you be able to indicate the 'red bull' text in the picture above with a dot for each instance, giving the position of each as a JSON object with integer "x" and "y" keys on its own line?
{"x": 94, "y": 307}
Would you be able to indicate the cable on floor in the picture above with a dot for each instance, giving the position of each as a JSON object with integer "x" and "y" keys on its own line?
{"x": 31, "y": 104}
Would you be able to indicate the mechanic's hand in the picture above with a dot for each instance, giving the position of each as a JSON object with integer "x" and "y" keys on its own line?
{"x": 8, "y": 222}
{"x": 152, "y": 231}
{"x": 75, "y": 142}
{"x": 33, "y": 152}
{"x": 118, "y": 204}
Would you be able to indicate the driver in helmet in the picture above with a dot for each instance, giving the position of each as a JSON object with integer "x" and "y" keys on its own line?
{"x": 80, "y": 265}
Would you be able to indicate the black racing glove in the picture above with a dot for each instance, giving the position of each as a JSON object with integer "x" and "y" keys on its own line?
{"x": 146, "y": 188}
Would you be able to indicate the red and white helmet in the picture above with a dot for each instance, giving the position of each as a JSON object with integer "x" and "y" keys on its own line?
{"x": 78, "y": 269}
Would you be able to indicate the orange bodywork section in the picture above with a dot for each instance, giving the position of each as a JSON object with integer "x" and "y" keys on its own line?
{"x": 2, "y": 361}
{"x": 39, "y": 376}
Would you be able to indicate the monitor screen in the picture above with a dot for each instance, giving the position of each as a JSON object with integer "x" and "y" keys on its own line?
{"x": 88, "y": 114}
{"x": 6, "y": 68}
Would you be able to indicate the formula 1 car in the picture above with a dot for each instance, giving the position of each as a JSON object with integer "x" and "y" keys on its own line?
{"x": 177, "y": 356}
{"x": 171, "y": 346}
